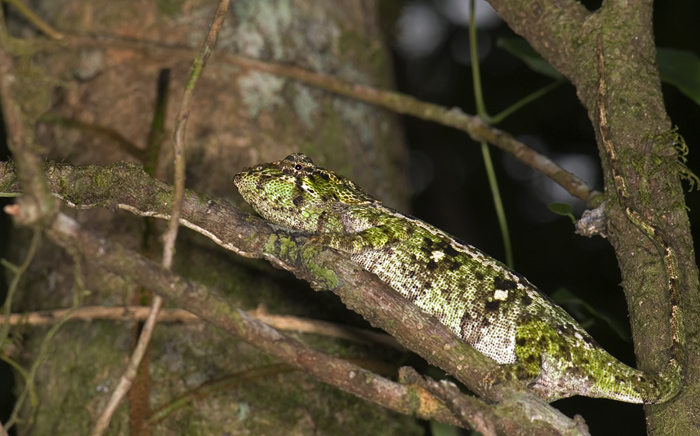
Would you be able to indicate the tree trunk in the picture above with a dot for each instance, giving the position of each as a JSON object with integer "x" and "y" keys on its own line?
{"x": 106, "y": 86}
{"x": 569, "y": 37}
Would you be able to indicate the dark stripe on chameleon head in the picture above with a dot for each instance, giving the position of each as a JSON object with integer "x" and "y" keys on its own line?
{"x": 298, "y": 200}
{"x": 431, "y": 265}
{"x": 531, "y": 359}
{"x": 260, "y": 184}
{"x": 564, "y": 349}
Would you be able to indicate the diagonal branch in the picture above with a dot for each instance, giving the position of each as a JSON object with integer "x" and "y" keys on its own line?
{"x": 474, "y": 126}
{"x": 128, "y": 187}
{"x": 211, "y": 306}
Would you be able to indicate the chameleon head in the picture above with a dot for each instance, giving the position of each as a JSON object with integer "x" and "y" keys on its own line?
{"x": 296, "y": 193}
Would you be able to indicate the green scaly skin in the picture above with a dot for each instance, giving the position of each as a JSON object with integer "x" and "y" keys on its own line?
{"x": 494, "y": 309}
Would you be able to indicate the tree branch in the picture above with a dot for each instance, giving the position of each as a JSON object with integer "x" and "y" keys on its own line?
{"x": 140, "y": 313}
{"x": 641, "y": 135}
{"x": 476, "y": 128}
{"x": 128, "y": 187}
{"x": 553, "y": 28}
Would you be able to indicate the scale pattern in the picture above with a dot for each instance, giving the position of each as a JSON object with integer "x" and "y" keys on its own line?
{"x": 489, "y": 306}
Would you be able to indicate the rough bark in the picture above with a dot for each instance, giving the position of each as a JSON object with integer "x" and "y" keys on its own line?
{"x": 240, "y": 117}
{"x": 566, "y": 35}
{"x": 244, "y": 117}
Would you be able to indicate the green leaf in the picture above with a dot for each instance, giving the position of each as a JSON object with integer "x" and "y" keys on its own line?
{"x": 520, "y": 48}
{"x": 680, "y": 68}
{"x": 563, "y": 209}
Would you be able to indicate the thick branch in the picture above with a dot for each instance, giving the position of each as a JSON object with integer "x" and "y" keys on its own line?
{"x": 128, "y": 187}
{"x": 551, "y": 27}
{"x": 213, "y": 308}
{"x": 642, "y": 137}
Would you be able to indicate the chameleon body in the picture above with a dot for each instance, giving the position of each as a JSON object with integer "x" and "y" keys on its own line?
{"x": 483, "y": 302}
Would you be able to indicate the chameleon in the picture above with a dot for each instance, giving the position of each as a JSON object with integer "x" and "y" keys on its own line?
{"x": 483, "y": 302}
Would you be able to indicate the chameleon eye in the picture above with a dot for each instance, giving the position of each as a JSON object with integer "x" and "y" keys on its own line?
{"x": 297, "y": 167}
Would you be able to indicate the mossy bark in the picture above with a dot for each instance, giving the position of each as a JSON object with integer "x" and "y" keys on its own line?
{"x": 240, "y": 117}
{"x": 571, "y": 38}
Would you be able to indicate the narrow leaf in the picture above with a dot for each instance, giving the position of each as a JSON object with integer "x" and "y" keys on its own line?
{"x": 520, "y": 48}
{"x": 680, "y": 68}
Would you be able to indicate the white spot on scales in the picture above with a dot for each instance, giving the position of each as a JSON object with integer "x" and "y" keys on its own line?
{"x": 437, "y": 255}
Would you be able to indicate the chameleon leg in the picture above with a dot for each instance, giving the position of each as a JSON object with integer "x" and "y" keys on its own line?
{"x": 389, "y": 232}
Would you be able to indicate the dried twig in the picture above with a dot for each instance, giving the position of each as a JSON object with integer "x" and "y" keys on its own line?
{"x": 395, "y": 101}
{"x": 170, "y": 236}
{"x": 36, "y": 20}
{"x": 208, "y": 305}
{"x": 140, "y": 313}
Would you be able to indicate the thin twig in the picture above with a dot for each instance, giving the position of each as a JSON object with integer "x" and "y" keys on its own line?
{"x": 140, "y": 313}
{"x": 476, "y": 128}
{"x": 36, "y": 20}
{"x": 173, "y": 225}
{"x": 38, "y": 206}
{"x": 211, "y": 306}
{"x": 44, "y": 351}
{"x": 14, "y": 284}
{"x": 466, "y": 409}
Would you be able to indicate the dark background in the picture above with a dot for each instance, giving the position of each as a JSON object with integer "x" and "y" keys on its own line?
{"x": 451, "y": 189}
{"x": 449, "y": 181}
